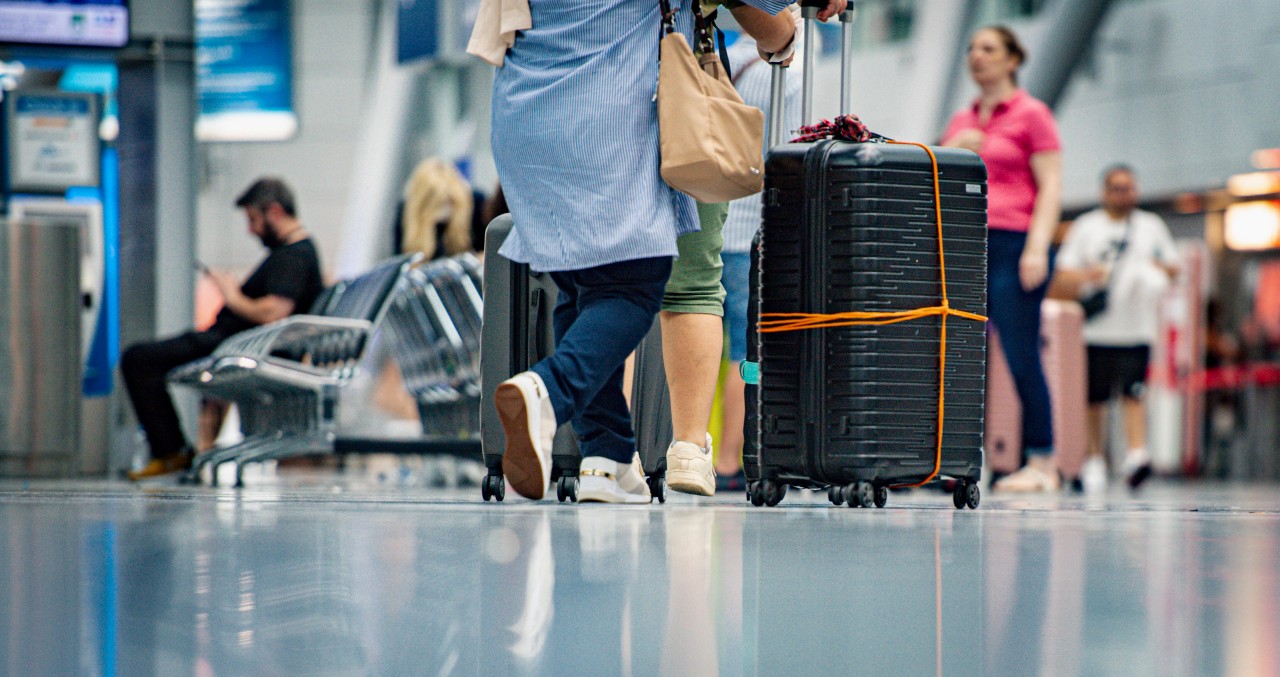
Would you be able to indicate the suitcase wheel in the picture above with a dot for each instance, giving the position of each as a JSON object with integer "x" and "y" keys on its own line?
{"x": 861, "y": 495}
{"x": 774, "y": 493}
{"x": 882, "y": 496}
{"x": 494, "y": 486}
{"x": 658, "y": 487}
{"x": 766, "y": 492}
{"x": 567, "y": 489}
{"x": 967, "y": 493}
{"x": 835, "y": 494}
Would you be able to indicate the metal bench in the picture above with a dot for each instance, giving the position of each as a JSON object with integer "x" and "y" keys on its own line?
{"x": 435, "y": 323}
{"x": 285, "y": 376}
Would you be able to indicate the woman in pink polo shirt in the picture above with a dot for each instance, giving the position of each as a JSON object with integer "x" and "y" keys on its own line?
{"x": 1018, "y": 139}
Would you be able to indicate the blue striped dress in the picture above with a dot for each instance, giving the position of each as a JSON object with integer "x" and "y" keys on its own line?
{"x": 575, "y": 135}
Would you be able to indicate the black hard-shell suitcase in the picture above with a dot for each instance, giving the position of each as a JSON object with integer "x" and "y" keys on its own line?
{"x": 516, "y": 334}
{"x": 852, "y": 227}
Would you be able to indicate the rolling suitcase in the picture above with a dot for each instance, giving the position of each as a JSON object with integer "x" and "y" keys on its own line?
{"x": 853, "y": 319}
{"x": 1062, "y": 351}
{"x": 1002, "y": 442}
{"x": 651, "y": 410}
{"x": 516, "y": 333}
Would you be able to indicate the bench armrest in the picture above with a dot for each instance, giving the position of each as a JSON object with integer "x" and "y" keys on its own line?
{"x": 292, "y": 335}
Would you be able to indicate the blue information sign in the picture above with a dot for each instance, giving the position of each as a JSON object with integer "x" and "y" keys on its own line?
{"x": 244, "y": 67}
{"x": 432, "y": 29}
{"x": 417, "y": 30}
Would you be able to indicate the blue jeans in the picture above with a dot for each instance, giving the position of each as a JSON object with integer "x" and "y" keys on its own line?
{"x": 737, "y": 272}
{"x": 600, "y": 318}
{"x": 1015, "y": 312}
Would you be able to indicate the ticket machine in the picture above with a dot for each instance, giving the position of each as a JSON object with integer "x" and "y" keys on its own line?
{"x": 59, "y": 336}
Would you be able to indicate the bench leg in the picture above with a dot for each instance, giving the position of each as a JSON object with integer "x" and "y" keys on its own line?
{"x": 285, "y": 447}
{"x": 216, "y": 457}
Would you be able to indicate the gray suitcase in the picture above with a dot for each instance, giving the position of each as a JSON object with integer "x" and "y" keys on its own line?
{"x": 517, "y": 333}
{"x": 651, "y": 410}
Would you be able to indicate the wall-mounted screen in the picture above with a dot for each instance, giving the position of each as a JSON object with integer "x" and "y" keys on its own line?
{"x": 80, "y": 23}
{"x": 53, "y": 140}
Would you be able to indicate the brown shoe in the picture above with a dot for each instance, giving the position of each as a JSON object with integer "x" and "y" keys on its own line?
{"x": 159, "y": 467}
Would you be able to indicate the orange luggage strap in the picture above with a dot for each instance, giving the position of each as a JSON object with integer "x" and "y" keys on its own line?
{"x": 784, "y": 322}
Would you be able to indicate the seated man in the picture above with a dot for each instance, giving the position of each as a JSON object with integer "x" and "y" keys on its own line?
{"x": 286, "y": 282}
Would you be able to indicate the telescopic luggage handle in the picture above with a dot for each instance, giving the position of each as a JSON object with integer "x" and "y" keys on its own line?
{"x": 777, "y": 96}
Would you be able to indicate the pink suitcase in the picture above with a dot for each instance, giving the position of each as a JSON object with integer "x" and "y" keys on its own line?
{"x": 1002, "y": 443}
{"x": 1062, "y": 352}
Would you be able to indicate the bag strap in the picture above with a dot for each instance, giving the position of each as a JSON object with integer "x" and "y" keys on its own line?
{"x": 668, "y": 17}
{"x": 701, "y": 38}
{"x": 1124, "y": 246}
{"x": 720, "y": 42}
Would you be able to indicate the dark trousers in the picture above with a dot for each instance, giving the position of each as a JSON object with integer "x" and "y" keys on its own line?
{"x": 1015, "y": 312}
{"x": 601, "y": 316}
{"x": 144, "y": 366}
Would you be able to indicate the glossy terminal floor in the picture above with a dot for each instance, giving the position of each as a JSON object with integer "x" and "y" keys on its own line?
{"x": 320, "y": 574}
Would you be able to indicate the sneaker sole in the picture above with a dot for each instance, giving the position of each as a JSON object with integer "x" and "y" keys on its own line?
{"x": 606, "y": 494}
{"x": 690, "y": 482}
{"x": 520, "y": 462}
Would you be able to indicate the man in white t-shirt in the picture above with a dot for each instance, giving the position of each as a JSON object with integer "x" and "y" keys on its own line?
{"x": 1128, "y": 254}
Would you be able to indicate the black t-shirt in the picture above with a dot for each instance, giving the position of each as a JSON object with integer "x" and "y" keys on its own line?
{"x": 291, "y": 271}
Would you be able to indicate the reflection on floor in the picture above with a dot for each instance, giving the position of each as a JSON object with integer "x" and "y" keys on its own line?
{"x": 334, "y": 576}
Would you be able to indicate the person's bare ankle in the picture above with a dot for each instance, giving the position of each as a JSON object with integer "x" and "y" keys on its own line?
{"x": 699, "y": 440}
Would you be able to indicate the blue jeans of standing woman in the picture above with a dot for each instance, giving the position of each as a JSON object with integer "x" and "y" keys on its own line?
{"x": 601, "y": 316}
{"x": 1015, "y": 312}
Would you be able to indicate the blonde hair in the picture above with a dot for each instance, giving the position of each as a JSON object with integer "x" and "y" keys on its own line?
{"x": 435, "y": 186}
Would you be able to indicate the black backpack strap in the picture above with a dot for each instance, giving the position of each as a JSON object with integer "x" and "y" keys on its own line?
{"x": 724, "y": 51}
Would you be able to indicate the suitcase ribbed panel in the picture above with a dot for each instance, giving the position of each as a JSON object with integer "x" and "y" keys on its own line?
{"x": 860, "y": 403}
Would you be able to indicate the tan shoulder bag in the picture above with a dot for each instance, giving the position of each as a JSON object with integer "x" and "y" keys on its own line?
{"x": 710, "y": 139}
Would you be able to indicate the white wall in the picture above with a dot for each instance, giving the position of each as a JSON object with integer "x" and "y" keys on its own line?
{"x": 1184, "y": 90}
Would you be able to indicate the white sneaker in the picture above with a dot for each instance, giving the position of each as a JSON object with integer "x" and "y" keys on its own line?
{"x": 601, "y": 480}
{"x": 524, "y": 407}
{"x": 1028, "y": 480}
{"x": 1136, "y": 467}
{"x": 690, "y": 470}
{"x": 1093, "y": 475}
